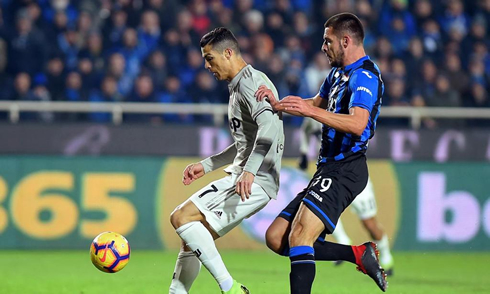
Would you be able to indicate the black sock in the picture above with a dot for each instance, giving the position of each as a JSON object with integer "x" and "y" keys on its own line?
{"x": 333, "y": 251}
{"x": 302, "y": 269}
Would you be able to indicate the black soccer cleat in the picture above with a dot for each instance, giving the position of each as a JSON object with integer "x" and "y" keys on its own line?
{"x": 369, "y": 264}
{"x": 303, "y": 162}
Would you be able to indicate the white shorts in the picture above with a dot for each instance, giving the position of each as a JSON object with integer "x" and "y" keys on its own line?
{"x": 223, "y": 207}
{"x": 364, "y": 205}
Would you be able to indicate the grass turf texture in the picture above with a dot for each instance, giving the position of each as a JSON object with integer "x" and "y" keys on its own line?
{"x": 262, "y": 272}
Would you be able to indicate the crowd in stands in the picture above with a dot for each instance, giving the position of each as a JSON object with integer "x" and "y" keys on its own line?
{"x": 431, "y": 53}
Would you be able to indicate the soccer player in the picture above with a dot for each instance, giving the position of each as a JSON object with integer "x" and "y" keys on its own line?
{"x": 364, "y": 205}
{"x": 253, "y": 176}
{"x": 348, "y": 106}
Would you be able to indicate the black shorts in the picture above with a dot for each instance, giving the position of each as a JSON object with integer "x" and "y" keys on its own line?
{"x": 332, "y": 188}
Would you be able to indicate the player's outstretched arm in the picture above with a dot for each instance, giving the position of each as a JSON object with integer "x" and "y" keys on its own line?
{"x": 265, "y": 93}
{"x": 192, "y": 172}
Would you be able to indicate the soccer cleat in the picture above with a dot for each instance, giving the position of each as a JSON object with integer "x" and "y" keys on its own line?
{"x": 303, "y": 162}
{"x": 237, "y": 288}
{"x": 368, "y": 263}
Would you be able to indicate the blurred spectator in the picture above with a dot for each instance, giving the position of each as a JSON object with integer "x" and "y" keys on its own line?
{"x": 157, "y": 66}
{"x": 203, "y": 90}
{"x": 458, "y": 78}
{"x": 478, "y": 33}
{"x": 39, "y": 92}
{"x": 189, "y": 70}
{"x": 276, "y": 72}
{"x": 454, "y": 17}
{"x": 413, "y": 57}
{"x": 107, "y": 93}
{"x": 172, "y": 47}
{"x": 166, "y": 10}
{"x": 187, "y": 35}
{"x": 143, "y": 90}
{"x": 316, "y": 73}
{"x": 423, "y": 12}
{"x": 200, "y": 20}
{"x": 69, "y": 46}
{"x": 22, "y": 86}
{"x": 253, "y": 22}
{"x": 443, "y": 95}
{"x": 148, "y": 33}
{"x": 396, "y": 9}
{"x": 398, "y": 35}
{"x": 95, "y": 51}
{"x": 432, "y": 38}
{"x": 27, "y": 49}
{"x": 55, "y": 76}
{"x": 90, "y": 78}
{"x": 117, "y": 69}
{"x": 483, "y": 10}
{"x": 73, "y": 87}
{"x": 262, "y": 49}
{"x": 477, "y": 72}
{"x": 477, "y": 96}
{"x": 395, "y": 93}
{"x": 114, "y": 29}
{"x": 425, "y": 84}
{"x": 304, "y": 31}
{"x": 173, "y": 93}
{"x": 275, "y": 28}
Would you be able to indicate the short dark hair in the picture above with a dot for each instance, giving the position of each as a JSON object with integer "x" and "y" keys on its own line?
{"x": 220, "y": 39}
{"x": 346, "y": 23}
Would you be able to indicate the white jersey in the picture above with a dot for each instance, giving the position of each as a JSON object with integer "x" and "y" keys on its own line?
{"x": 257, "y": 132}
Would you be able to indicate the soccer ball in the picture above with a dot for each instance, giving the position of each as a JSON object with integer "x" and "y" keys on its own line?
{"x": 109, "y": 252}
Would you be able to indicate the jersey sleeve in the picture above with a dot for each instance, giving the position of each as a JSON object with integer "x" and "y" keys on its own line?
{"x": 247, "y": 97}
{"x": 363, "y": 85}
{"x": 327, "y": 84}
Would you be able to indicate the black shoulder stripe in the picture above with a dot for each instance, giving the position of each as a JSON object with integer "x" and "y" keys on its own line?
{"x": 262, "y": 111}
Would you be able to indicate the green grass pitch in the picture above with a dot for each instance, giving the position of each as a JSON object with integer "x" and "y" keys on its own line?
{"x": 263, "y": 272}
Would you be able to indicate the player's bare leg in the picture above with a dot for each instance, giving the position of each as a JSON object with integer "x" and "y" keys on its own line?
{"x": 276, "y": 236}
{"x": 305, "y": 229}
{"x": 197, "y": 235}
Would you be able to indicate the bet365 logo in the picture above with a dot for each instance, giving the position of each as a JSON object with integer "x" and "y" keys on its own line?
{"x": 435, "y": 204}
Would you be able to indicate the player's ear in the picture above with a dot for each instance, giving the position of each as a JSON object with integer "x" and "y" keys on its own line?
{"x": 228, "y": 53}
{"x": 345, "y": 41}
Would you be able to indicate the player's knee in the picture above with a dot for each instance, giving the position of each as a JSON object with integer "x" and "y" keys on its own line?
{"x": 177, "y": 218}
{"x": 273, "y": 239}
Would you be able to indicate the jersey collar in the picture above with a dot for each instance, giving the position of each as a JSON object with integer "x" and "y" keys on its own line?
{"x": 238, "y": 76}
{"x": 356, "y": 64}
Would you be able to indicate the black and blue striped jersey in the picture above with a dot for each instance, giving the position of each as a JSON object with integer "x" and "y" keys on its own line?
{"x": 357, "y": 85}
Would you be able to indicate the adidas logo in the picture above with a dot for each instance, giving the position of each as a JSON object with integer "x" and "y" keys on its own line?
{"x": 218, "y": 214}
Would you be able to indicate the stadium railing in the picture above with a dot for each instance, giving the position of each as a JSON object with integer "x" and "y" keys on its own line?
{"x": 218, "y": 111}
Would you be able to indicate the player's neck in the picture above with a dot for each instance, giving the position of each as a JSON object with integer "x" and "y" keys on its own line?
{"x": 354, "y": 56}
{"x": 236, "y": 68}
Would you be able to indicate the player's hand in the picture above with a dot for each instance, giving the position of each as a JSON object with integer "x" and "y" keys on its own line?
{"x": 244, "y": 185}
{"x": 265, "y": 93}
{"x": 192, "y": 172}
{"x": 294, "y": 105}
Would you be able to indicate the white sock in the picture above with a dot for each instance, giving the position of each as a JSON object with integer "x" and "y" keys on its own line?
{"x": 198, "y": 238}
{"x": 186, "y": 270}
{"x": 340, "y": 235}
{"x": 384, "y": 251}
